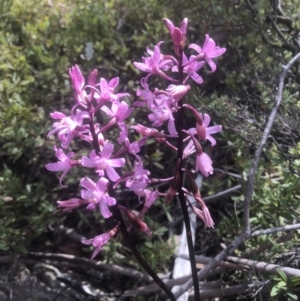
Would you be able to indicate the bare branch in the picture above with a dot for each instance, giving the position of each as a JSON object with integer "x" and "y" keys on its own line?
{"x": 216, "y": 196}
{"x": 206, "y": 260}
{"x": 265, "y": 267}
{"x": 97, "y": 265}
{"x": 274, "y": 230}
{"x": 154, "y": 288}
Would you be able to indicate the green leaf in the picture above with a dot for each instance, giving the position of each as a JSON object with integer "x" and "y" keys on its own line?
{"x": 282, "y": 275}
{"x": 281, "y": 284}
{"x": 274, "y": 291}
{"x": 294, "y": 281}
{"x": 292, "y": 296}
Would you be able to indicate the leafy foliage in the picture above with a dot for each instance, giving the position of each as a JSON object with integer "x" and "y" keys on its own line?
{"x": 40, "y": 40}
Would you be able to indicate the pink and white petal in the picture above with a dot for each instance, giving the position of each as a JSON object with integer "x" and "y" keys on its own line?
{"x": 65, "y": 144}
{"x": 134, "y": 147}
{"x": 112, "y": 174}
{"x": 171, "y": 128}
{"x": 152, "y": 117}
{"x": 102, "y": 184}
{"x": 91, "y": 206}
{"x": 192, "y": 131}
{"x": 198, "y": 66}
{"x": 88, "y": 184}
{"x": 107, "y": 150}
{"x": 186, "y": 79}
{"x": 214, "y": 129}
{"x": 62, "y": 134}
{"x": 95, "y": 253}
{"x": 101, "y": 240}
{"x": 57, "y": 115}
{"x": 103, "y": 85}
{"x": 184, "y": 25}
{"x": 184, "y": 59}
{"x": 65, "y": 137}
{"x": 100, "y": 172}
{"x": 62, "y": 177}
{"x": 107, "y": 111}
{"x": 87, "y": 162}
{"x": 197, "y": 78}
{"x": 76, "y": 77}
{"x": 93, "y": 155}
{"x": 174, "y": 69}
{"x": 136, "y": 186}
{"x": 165, "y": 65}
{"x": 211, "y": 139}
{"x": 109, "y": 200}
{"x": 104, "y": 209}
{"x": 128, "y": 113}
{"x": 206, "y": 120}
{"x": 196, "y": 47}
{"x": 208, "y": 45}
{"x": 92, "y": 77}
{"x": 59, "y": 166}
{"x": 60, "y": 155}
{"x": 156, "y": 55}
{"x": 86, "y": 195}
{"x": 121, "y": 111}
{"x": 142, "y": 66}
{"x": 70, "y": 155}
{"x": 87, "y": 241}
{"x": 80, "y": 115}
{"x": 169, "y": 24}
{"x": 217, "y": 52}
{"x": 199, "y": 213}
{"x": 208, "y": 221}
{"x": 52, "y": 132}
{"x": 204, "y": 164}
{"x": 113, "y": 83}
{"x": 212, "y": 64}
{"x": 117, "y": 162}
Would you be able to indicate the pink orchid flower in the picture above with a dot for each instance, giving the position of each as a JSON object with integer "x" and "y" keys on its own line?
{"x": 191, "y": 66}
{"x": 138, "y": 180}
{"x": 98, "y": 243}
{"x": 106, "y": 92}
{"x": 68, "y": 127}
{"x": 207, "y": 131}
{"x": 162, "y": 114}
{"x": 78, "y": 84}
{"x": 209, "y": 50}
{"x": 204, "y": 164}
{"x": 103, "y": 162}
{"x": 154, "y": 63}
{"x": 95, "y": 193}
{"x": 64, "y": 164}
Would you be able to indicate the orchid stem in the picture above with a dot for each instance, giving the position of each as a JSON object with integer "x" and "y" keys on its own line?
{"x": 138, "y": 256}
{"x": 186, "y": 218}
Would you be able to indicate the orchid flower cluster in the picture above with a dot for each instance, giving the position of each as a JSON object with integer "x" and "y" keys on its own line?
{"x": 96, "y": 98}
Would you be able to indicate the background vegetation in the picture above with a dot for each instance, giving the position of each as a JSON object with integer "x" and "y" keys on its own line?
{"x": 40, "y": 40}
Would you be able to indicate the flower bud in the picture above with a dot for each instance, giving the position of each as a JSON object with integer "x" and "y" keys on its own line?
{"x": 197, "y": 145}
{"x": 177, "y": 92}
{"x": 194, "y": 187}
{"x": 174, "y": 185}
{"x": 201, "y": 131}
{"x": 148, "y": 132}
{"x": 136, "y": 222}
